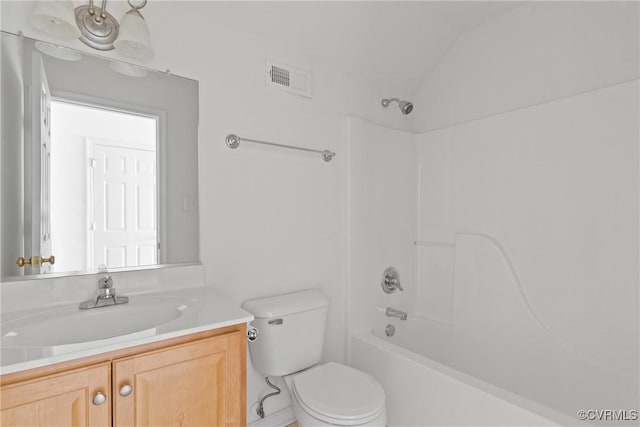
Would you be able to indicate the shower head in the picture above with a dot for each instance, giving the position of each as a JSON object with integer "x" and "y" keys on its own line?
{"x": 405, "y": 106}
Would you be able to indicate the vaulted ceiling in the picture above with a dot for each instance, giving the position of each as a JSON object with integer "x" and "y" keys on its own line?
{"x": 394, "y": 44}
{"x": 385, "y": 41}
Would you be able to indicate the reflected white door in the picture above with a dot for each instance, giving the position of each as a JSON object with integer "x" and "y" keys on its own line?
{"x": 124, "y": 230}
{"x": 45, "y": 169}
{"x": 38, "y": 242}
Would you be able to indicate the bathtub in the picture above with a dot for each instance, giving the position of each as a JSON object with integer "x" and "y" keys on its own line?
{"x": 423, "y": 392}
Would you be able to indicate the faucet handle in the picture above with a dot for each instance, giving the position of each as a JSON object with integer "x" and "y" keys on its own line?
{"x": 105, "y": 282}
{"x": 391, "y": 281}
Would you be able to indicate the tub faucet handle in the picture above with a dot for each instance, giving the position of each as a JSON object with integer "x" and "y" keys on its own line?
{"x": 391, "y": 281}
{"x": 395, "y": 283}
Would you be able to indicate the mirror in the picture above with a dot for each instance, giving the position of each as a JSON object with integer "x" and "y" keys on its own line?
{"x": 98, "y": 163}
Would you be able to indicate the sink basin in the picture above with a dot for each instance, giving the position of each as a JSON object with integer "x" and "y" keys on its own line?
{"x": 69, "y": 325}
{"x": 34, "y": 335}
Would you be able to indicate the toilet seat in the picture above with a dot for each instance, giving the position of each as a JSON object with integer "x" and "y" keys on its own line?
{"x": 337, "y": 394}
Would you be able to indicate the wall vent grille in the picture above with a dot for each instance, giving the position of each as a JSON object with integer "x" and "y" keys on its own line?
{"x": 288, "y": 78}
{"x": 280, "y": 76}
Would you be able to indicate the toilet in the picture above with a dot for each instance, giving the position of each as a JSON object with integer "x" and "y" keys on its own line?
{"x": 291, "y": 330}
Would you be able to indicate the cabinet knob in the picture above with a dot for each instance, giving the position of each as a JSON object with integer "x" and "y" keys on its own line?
{"x": 125, "y": 390}
{"x": 99, "y": 398}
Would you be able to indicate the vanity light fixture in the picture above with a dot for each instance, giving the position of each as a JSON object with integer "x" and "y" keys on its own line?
{"x": 96, "y": 27}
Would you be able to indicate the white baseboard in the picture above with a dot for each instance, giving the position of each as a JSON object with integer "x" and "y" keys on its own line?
{"x": 282, "y": 418}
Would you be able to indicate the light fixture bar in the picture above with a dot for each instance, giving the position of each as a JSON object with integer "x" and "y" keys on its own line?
{"x": 98, "y": 28}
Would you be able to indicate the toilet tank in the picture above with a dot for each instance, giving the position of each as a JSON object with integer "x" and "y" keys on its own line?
{"x": 291, "y": 329}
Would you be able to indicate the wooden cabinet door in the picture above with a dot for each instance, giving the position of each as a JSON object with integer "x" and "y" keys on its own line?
{"x": 195, "y": 384}
{"x": 64, "y": 399}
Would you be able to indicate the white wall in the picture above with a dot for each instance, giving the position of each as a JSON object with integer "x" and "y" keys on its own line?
{"x": 271, "y": 221}
{"x": 274, "y": 221}
{"x": 11, "y": 155}
{"x": 535, "y": 53}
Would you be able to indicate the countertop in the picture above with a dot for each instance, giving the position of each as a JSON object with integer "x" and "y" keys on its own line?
{"x": 209, "y": 311}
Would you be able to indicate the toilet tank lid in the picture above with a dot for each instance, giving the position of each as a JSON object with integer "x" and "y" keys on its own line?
{"x": 283, "y": 305}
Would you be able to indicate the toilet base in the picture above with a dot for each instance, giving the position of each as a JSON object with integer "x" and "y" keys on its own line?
{"x": 306, "y": 420}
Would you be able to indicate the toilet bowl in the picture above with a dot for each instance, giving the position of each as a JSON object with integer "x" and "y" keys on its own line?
{"x": 334, "y": 394}
{"x": 287, "y": 340}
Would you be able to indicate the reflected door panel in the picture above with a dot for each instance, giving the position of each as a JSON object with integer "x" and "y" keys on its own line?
{"x": 123, "y": 204}
{"x": 45, "y": 169}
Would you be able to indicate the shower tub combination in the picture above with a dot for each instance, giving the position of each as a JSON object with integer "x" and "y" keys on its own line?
{"x": 521, "y": 292}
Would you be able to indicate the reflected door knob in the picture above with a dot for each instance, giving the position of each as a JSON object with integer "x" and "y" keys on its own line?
{"x": 21, "y": 262}
{"x": 125, "y": 390}
{"x": 35, "y": 261}
{"x": 99, "y": 398}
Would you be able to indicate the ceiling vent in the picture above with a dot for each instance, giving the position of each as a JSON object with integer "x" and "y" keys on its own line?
{"x": 289, "y": 79}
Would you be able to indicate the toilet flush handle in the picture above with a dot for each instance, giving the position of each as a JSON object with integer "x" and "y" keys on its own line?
{"x": 252, "y": 334}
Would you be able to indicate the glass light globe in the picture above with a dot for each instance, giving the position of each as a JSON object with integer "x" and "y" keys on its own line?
{"x": 56, "y": 18}
{"x": 134, "y": 40}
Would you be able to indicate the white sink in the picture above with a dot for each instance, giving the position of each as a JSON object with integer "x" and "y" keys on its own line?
{"x": 69, "y": 325}
{"x": 38, "y": 336}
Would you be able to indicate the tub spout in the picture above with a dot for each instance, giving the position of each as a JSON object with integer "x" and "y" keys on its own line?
{"x": 392, "y": 312}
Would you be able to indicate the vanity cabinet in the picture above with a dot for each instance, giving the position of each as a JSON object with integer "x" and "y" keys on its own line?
{"x": 63, "y": 399}
{"x": 194, "y": 384}
{"x": 190, "y": 381}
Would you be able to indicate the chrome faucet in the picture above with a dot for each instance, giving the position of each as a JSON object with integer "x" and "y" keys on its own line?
{"x": 392, "y": 312}
{"x": 106, "y": 294}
